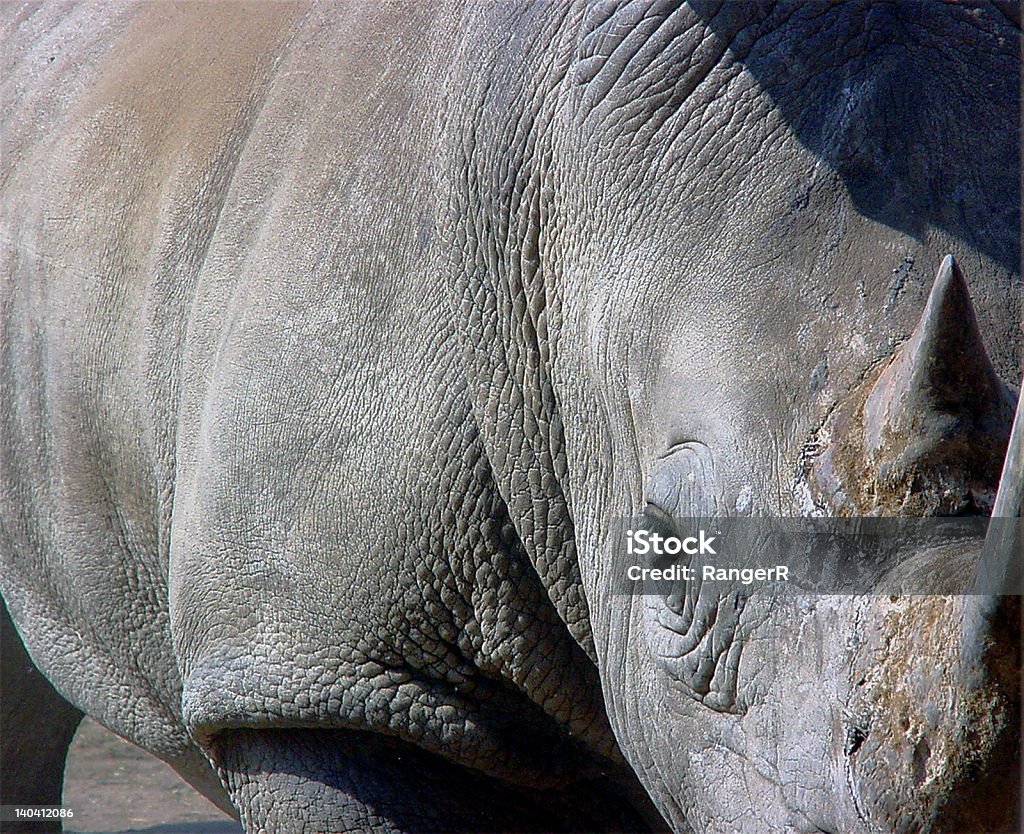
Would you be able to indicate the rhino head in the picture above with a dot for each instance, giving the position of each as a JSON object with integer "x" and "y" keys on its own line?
{"x": 875, "y": 712}
{"x": 776, "y": 327}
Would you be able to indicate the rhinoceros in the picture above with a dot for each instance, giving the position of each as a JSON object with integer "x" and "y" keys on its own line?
{"x": 339, "y": 338}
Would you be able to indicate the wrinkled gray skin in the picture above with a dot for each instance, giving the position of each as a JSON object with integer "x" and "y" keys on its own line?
{"x": 335, "y": 340}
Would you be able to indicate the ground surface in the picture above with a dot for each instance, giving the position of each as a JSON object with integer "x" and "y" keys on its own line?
{"x": 114, "y": 787}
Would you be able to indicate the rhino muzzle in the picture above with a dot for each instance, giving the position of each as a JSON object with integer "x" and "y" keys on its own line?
{"x": 935, "y": 710}
{"x": 934, "y": 714}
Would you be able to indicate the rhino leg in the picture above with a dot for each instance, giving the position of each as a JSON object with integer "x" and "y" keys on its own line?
{"x": 348, "y": 781}
{"x": 38, "y": 725}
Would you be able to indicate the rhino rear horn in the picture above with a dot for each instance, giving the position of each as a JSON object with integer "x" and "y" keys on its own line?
{"x": 943, "y": 383}
{"x": 939, "y": 411}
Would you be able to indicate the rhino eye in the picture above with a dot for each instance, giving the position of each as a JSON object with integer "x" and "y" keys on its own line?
{"x": 657, "y": 521}
{"x": 694, "y": 628}
{"x": 856, "y": 733}
{"x": 683, "y": 482}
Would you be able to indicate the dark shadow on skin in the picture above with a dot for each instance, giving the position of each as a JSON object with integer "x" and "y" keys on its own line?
{"x": 211, "y": 827}
{"x": 410, "y": 787}
{"x": 892, "y": 96}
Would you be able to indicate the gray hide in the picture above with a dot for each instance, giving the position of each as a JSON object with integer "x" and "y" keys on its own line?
{"x": 337, "y": 337}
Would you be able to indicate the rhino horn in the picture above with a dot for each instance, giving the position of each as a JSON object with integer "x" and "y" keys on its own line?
{"x": 1000, "y": 570}
{"x": 990, "y": 645}
{"x": 939, "y": 412}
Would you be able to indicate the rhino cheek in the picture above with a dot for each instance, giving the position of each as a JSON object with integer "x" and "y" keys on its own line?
{"x": 767, "y": 760}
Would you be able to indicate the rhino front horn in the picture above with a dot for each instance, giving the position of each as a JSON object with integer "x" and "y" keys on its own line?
{"x": 1001, "y": 567}
{"x": 990, "y": 640}
{"x": 928, "y": 435}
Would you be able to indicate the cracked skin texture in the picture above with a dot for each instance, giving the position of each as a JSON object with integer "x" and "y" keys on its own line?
{"x": 274, "y": 506}
{"x": 336, "y": 336}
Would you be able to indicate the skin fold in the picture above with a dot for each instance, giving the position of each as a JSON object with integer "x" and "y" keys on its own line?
{"x": 336, "y": 338}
